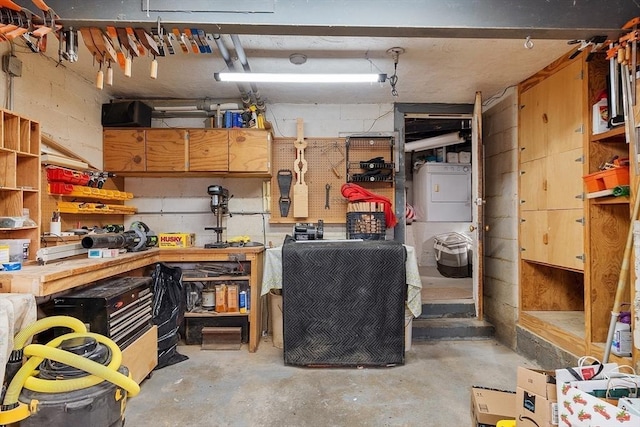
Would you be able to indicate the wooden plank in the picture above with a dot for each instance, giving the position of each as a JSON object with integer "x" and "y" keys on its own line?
{"x": 553, "y": 333}
{"x": 141, "y": 356}
{"x": 49, "y": 142}
{"x": 608, "y": 232}
{"x": 208, "y": 150}
{"x": 221, "y": 338}
{"x": 550, "y": 288}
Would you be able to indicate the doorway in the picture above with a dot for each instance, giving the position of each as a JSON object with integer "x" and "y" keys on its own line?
{"x": 436, "y": 154}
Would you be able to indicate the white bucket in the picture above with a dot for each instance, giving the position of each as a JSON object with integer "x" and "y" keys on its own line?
{"x": 408, "y": 325}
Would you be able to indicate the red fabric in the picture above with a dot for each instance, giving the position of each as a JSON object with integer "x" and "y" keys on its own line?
{"x": 355, "y": 193}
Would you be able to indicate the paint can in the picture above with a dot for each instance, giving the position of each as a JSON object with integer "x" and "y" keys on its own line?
{"x": 208, "y": 299}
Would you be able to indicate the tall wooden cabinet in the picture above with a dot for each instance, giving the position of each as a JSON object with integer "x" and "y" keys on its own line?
{"x": 570, "y": 245}
{"x": 20, "y": 176}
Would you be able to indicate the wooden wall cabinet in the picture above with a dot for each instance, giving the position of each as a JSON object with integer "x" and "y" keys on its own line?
{"x": 208, "y": 150}
{"x": 20, "y": 175}
{"x": 551, "y": 137}
{"x": 249, "y": 151}
{"x": 571, "y": 244}
{"x": 130, "y": 152}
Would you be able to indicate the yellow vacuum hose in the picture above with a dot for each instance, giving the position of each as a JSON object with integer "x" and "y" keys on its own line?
{"x": 83, "y": 363}
{"x": 61, "y": 386}
{"x": 25, "y": 375}
{"x": 39, "y": 352}
{"x": 46, "y": 323}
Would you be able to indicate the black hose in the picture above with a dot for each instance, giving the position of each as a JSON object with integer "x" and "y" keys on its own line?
{"x": 110, "y": 240}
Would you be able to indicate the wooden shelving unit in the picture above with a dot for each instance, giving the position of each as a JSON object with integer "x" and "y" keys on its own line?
{"x": 571, "y": 242}
{"x": 20, "y": 175}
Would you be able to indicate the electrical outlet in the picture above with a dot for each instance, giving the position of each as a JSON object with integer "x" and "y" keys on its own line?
{"x": 12, "y": 65}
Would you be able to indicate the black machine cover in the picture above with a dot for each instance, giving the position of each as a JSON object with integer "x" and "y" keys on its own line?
{"x": 343, "y": 303}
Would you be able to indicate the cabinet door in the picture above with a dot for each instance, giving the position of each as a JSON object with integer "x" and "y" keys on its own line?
{"x": 565, "y": 110}
{"x": 566, "y": 238}
{"x": 208, "y": 150}
{"x": 534, "y": 236}
{"x": 249, "y": 151}
{"x": 123, "y": 150}
{"x": 564, "y": 180}
{"x": 166, "y": 150}
{"x": 532, "y": 131}
{"x": 533, "y": 185}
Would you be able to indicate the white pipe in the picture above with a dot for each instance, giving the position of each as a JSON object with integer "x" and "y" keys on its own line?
{"x": 434, "y": 142}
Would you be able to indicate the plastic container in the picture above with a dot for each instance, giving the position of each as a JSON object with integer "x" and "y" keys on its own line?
{"x": 615, "y": 177}
{"x": 366, "y": 225}
{"x": 18, "y": 249}
{"x": 594, "y": 182}
{"x": 453, "y": 254}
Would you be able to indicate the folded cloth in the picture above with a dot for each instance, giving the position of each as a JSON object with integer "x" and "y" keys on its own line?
{"x": 355, "y": 193}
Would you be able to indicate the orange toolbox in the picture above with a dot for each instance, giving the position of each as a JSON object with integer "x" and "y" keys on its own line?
{"x": 606, "y": 179}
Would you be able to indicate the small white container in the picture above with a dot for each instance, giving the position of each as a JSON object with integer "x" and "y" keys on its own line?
{"x": 464, "y": 157}
{"x": 18, "y": 249}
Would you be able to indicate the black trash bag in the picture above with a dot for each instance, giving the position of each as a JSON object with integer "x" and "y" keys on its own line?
{"x": 168, "y": 312}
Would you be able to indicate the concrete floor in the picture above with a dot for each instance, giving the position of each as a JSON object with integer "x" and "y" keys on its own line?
{"x": 235, "y": 388}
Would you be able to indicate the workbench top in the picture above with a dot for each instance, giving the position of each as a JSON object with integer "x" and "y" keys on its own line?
{"x": 59, "y": 276}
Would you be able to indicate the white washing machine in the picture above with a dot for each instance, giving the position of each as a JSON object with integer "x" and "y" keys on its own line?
{"x": 442, "y": 192}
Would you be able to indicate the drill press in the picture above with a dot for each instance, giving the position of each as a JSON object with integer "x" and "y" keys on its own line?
{"x": 219, "y": 206}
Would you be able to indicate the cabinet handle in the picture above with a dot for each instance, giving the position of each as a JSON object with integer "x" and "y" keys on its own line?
{"x": 137, "y": 159}
{"x": 436, "y": 188}
{"x": 545, "y": 238}
{"x": 545, "y": 119}
{"x": 544, "y": 185}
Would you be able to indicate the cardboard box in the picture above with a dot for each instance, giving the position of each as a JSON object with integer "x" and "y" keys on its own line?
{"x": 452, "y": 158}
{"x": 176, "y": 240}
{"x": 536, "y": 398}
{"x": 489, "y": 405}
{"x": 464, "y": 157}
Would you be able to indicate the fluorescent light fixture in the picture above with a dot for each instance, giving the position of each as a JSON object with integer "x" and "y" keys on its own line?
{"x": 434, "y": 142}
{"x": 299, "y": 78}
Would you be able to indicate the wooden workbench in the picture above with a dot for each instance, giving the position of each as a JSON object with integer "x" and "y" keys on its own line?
{"x": 58, "y": 277}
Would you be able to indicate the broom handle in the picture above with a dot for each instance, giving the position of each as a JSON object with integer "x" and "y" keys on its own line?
{"x": 622, "y": 278}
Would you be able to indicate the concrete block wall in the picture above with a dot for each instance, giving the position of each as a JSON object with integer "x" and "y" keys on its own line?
{"x": 67, "y": 106}
{"x": 500, "y": 138}
{"x": 170, "y": 204}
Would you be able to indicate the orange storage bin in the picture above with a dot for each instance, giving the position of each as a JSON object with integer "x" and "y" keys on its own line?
{"x": 615, "y": 177}
{"x": 595, "y": 181}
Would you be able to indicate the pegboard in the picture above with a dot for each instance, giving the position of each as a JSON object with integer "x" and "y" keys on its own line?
{"x": 326, "y": 164}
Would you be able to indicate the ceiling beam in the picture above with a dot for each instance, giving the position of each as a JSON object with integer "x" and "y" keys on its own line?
{"x": 510, "y": 19}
